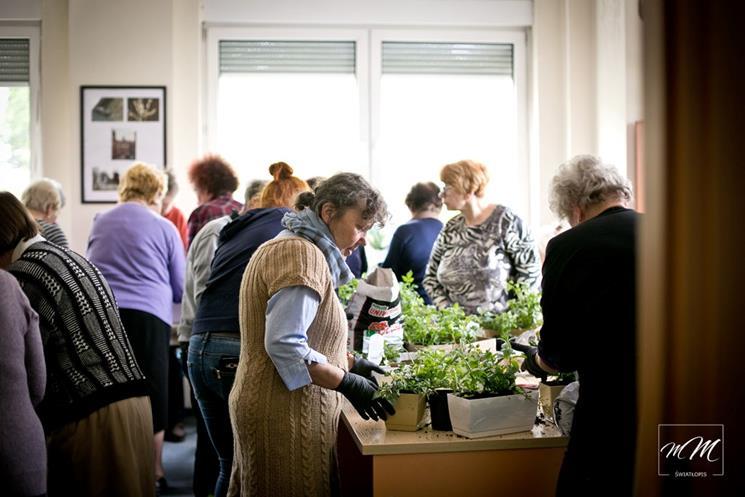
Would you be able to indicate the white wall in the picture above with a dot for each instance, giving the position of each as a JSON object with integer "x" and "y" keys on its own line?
{"x": 108, "y": 42}
{"x": 587, "y": 83}
{"x": 611, "y": 81}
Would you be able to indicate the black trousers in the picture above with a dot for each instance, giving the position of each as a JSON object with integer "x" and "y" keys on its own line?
{"x": 149, "y": 337}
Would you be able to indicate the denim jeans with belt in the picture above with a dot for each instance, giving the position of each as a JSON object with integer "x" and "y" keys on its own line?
{"x": 212, "y": 361}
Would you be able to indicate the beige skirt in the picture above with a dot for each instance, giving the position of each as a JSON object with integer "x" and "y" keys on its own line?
{"x": 110, "y": 453}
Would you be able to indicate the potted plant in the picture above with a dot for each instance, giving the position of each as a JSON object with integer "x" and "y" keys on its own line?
{"x": 434, "y": 370}
{"x": 428, "y": 326}
{"x": 523, "y": 312}
{"x": 406, "y": 392}
{"x": 486, "y": 400}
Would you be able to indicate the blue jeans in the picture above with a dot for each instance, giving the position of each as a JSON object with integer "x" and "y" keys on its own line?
{"x": 212, "y": 361}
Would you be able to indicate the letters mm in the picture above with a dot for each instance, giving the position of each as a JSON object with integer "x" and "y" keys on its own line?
{"x": 677, "y": 449}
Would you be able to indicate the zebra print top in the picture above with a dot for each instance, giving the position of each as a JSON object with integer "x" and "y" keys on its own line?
{"x": 89, "y": 360}
{"x": 470, "y": 265}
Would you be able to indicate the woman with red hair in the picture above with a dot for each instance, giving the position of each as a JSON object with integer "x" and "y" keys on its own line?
{"x": 214, "y": 181}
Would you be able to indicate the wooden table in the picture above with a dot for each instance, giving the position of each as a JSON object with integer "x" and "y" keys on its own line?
{"x": 380, "y": 463}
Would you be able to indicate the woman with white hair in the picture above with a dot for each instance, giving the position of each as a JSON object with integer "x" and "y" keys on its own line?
{"x": 44, "y": 199}
{"x": 589, "y": 323}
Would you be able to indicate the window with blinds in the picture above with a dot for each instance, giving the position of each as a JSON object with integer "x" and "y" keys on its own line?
{"x": 494, "y": 59}
{"x": 14, "y": 60}
{"x": 249, "y": 56}
{"x": 16, "y": 126}
{"x": 295, "y": 101}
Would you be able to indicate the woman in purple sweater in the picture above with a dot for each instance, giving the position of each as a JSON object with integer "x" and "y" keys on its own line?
{"x": 142, "y": 257}
{"x": 23, "y": 454}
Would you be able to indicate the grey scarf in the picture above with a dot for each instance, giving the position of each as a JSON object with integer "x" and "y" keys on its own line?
{"x": 307, "y": 224}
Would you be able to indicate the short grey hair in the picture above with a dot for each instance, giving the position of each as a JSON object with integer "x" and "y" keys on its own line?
{"x": 172, "y": 183}
{"x": 345, "y": 191}
{"x": 583, "y": 181}
{"x": 254, "y": 188}
{"x": 42, "y": 194}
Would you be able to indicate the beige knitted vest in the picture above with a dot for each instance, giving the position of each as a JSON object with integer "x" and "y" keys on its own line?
{"x": 284, "y": 441}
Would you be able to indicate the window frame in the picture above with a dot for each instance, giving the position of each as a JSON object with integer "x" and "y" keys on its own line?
{"x": 369, "y": 43}
{"x": 216, "y": 34}
{"x": 31, "y": 32}
{"x": 517, "y": 38}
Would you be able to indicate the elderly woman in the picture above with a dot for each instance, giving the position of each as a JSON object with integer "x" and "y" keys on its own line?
{"x": 412, "y": 242}
{"x": 214, "y": 180}
{"x": 589, "y": 322}
{"x": 286, "y": 400}
{"x": 215, "y": 340}
{"x": 44, "y": 199}
{"x": 142, "y": 257}
{"x": 23, "y": 452}
{"x": 479, "y": 250}
{"x": 95, "y": 411}
{"x": 252, "y": 196}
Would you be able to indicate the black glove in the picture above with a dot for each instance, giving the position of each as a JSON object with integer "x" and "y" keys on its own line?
{"x": 363, "y": 367}
{"x": 530, "y": 364}
{"x": 361, "y": 392}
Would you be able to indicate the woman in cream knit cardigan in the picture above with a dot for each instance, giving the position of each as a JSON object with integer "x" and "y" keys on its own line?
{"x": 285, "y": 403}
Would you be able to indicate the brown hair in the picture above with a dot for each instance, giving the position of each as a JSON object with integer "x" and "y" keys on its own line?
{"x": 466, "y": 176}
{"x": 17, "y": 225}
{"x": 345, "y": 191}
{"x": 213, "y": 175}
{"x": 423, "y": 196}
{"x": 281, "y": 192}
{"x": 142, "y": 182}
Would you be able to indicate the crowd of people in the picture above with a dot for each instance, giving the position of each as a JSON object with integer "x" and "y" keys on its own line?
{"x": 262, "y": 333}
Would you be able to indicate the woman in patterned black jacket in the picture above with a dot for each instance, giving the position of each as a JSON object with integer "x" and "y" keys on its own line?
{"x": 479, "y": 250}
{"x": 95, "y": 411}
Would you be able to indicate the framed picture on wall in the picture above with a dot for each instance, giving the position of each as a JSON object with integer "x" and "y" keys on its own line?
{"x": 119, "y": 125}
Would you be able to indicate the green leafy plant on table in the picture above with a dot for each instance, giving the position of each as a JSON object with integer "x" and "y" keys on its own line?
{"x": 345, "y": 292}
{"x": 429, "y": 371}
{"x": 478, "y": 372}
{"x": 427, "y": 325}
{"x": 523, "y": 311}
{"x": 392, "y": 353}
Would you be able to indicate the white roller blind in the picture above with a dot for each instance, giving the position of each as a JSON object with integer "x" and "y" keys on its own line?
{"x": 14, "y": 60}
{"x": 448, "y": 58}
{"x": 244, "y": 56}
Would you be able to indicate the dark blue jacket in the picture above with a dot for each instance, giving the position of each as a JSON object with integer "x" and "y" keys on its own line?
{"x": 410, "y": 249}
{"x": 357, "y": 262}
{"x": 218, "y": 307}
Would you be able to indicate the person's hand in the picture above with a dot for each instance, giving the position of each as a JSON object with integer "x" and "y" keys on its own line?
{"x": 360, "y": 391}
{"x": 530, "y": 364}
{"x": 184, "y": 346}
{"x": 365, "y": 368}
